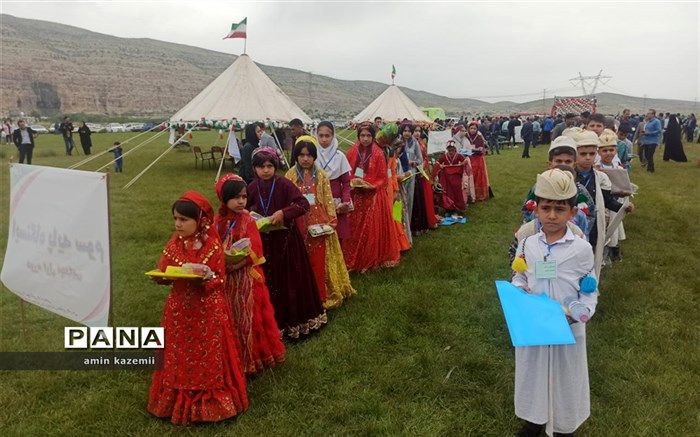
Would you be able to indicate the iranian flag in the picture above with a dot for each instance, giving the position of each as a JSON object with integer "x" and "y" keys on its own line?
{"x": 238, "y": 30}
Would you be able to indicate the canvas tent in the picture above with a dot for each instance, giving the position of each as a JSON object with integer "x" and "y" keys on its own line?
{"x": 242, "y": 91}
{"x": 391, "y": 105}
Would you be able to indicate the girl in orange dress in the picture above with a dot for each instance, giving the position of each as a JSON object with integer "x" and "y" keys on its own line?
{"x": 245, "y": 290}
{"x": 373, "y": 241}
{"x": 201, "y": 379}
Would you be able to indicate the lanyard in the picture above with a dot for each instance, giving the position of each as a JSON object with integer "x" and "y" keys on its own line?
{"x": 325, "y": 166}
{"x": 364, "y": 157}
{"x": 263, "y": 205}
{"x": 230, "y": 228}
{"x": 586, "y": 179}
{"x": 300, "y": 175}
{"x": 549, "y": 249}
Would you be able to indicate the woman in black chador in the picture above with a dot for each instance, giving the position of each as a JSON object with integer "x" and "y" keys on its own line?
{"x": 674, "y": 144}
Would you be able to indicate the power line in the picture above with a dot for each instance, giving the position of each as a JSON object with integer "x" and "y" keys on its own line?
{"x": 590, "y": 80}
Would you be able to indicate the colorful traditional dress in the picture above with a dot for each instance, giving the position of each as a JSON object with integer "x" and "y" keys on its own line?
{"x": 293, "y": 290}
{"x": 450, "y": 169}
{"x": 202, "y": 379}
{"x": 482, "y": 189}
{"x": 253, "y": 316}
{"x": 403, "y": 232}
{"x": 428, "y": 189}
{"x": 330, "y": 271}
{"x": 373, "y": 241}
{"x": 336, "y": 165}
{"x": 467, "y": 177}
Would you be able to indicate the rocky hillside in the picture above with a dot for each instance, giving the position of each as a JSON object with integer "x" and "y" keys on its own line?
{"x": 52, "y": 68}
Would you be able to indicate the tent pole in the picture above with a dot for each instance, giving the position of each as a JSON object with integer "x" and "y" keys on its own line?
{"x": 223, "y": 156}
{"x": 279, "y": 146}
{"x": 131, "y": 182}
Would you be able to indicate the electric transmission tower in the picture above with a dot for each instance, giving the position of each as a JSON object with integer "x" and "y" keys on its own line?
{"x": 590, "y": 81}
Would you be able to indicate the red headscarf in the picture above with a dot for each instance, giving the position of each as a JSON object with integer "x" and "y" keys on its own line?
{"x": 206, "y": 211}
{"x": 223, "y": 209}
{"x": 177, "y": 248}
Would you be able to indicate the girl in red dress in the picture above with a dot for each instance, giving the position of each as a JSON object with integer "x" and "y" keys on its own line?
{"x": 253, "y": 317}
{"x": 201, "y": 379}
{"x": 373, "y": 241}
{"x": 449, "y": 171}
{"x": 481, "y": 176}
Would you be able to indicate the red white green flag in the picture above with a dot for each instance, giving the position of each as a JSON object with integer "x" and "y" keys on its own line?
{"x": 238, "y": 30}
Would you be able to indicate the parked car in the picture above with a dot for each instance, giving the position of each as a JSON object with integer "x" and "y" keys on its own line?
{"x": 96, "y": 127}
{"x": 134, "y": 127}
{"x": 39, "y": 129}
{"x": 115, "y": 127}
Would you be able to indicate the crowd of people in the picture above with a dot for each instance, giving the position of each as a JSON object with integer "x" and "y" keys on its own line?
{"x": 277, "y": 253}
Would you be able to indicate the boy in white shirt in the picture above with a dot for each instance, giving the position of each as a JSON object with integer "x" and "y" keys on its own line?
{"x": 551, "y": 382}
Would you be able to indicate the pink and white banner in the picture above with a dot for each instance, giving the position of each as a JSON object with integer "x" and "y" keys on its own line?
{"x": 57, "y": 253}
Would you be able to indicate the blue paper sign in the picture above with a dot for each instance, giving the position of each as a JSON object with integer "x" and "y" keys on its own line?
{"x": 533, "y": 320}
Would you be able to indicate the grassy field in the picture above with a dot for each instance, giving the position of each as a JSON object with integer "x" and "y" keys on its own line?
{"x": 422, "y": 349}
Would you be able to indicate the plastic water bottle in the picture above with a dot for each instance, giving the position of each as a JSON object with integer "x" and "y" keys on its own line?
{"x": 577, "y": 310}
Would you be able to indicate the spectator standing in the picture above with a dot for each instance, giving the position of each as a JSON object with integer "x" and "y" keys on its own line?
{"x": 652, "y": 136}
{"x": 536, "y": 131}
{"x": 514, "y": 122}
{"x": 526, "y": 134}
{"x": 547, "y": 130}
{"x": 625, "y": 125}
{"x": 66, "y": 129}
{"x": 85, "y": 141}
{"x": 690, "y": 127}
{"x": 674, "y": 142}
{"x": 569, "y": 121}
{"x": 23, "y": 137}
{"x": 493, "y": 139}
{"x": 6, "y": 131}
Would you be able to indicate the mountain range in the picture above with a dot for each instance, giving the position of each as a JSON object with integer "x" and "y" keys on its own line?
{"x": 50, "y": 68}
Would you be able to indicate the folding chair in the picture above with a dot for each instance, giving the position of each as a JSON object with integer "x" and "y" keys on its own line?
{"x": 202, "y": 156}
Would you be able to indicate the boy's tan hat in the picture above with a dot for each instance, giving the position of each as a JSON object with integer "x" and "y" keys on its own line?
{"x": 563, "y": 141}
{"x": 556, "y": 184}
{"x": 583, "y": 138}
{"x": 608, "y": 138}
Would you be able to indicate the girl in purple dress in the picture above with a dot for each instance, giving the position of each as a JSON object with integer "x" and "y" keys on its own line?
{"x": 293, "y": 290}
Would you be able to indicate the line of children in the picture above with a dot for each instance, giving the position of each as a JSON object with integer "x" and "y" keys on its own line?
{"x": 551, "y": 382}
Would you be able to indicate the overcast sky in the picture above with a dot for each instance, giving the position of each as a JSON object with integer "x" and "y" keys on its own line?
{"x": 492, "y": 51}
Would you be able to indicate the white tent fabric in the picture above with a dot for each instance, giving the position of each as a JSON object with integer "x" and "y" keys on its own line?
{"x": 243, "y": 91}
{"x": 391, "y": 105}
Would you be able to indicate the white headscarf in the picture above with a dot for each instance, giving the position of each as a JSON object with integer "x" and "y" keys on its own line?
{"x": 332, "y": 160}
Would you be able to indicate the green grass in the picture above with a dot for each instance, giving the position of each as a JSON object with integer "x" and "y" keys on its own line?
{"x": 380, "y": 366}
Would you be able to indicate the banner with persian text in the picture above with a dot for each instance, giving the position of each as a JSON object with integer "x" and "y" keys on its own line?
{"x": 58, "y": 253}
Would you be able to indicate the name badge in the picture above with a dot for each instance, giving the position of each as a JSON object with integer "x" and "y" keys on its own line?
{"x": 359, "y": 173}
{"x": 546, "y": 270}
{"x": 311, "y": 198}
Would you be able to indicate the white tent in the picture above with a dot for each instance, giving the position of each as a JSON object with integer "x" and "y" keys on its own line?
{"x": 242, "y": 91}
{"x": 391, "y": 105}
